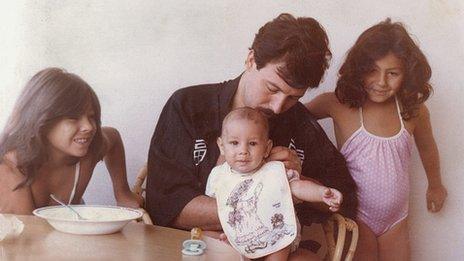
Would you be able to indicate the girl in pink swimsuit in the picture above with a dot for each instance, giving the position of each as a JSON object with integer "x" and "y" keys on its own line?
{"x": 377, "y": 109}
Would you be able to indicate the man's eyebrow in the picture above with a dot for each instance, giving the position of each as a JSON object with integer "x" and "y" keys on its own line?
{"x": 274, "y": 85}
{"x": 390, "y": 68}
{"x": 393, "y": 68}
{"x": 280, "y": 89}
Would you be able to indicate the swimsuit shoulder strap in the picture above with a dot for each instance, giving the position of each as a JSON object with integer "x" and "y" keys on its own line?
{"x": 361, "y": 118}
{"x": 399, "y": 112}
{"x": 76, "y": 179}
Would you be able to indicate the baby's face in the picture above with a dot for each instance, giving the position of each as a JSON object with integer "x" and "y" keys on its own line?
{"x": 244, "y": 145}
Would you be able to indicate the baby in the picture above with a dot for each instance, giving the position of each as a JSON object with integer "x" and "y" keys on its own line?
{"x": 254, "y": 197}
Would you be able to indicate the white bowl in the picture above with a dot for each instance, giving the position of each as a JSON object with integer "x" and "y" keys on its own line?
{"x": 100, "y": 220}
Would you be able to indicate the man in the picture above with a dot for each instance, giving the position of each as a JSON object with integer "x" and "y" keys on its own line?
{"x": 287, "y": 57}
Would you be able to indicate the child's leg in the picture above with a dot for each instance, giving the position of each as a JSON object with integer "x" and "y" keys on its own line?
{"x": 217, "y": 249}
{"x": 394, "y": 244}
{"x": 212, "y": 234}
{"x": 279, "y": 255}
{"x": 367, "y": 248}
{"x": 303, "y": 255}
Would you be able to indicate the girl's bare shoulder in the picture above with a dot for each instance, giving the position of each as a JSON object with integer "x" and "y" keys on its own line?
{"x": 10, "y": 176}
{"x": 13, "y": 200}
{"x": 326, "y": 97}
{"x": 423, "y": 112}
{"x": 421, "y": 118}
{"x": 110, "y": 137}
{"x": 336, "y": 108}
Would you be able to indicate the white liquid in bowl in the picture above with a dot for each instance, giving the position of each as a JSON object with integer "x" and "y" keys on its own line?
{"x": 90, "y": 213}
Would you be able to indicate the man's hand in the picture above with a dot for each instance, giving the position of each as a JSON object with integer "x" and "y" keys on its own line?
{"x": 435, "y": 198}
{"x": 287, "y": 156}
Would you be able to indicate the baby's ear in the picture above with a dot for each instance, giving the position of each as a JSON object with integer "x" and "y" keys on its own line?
{"x": 220, "y": 145}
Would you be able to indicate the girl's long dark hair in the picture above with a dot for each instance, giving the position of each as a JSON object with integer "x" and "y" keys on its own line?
{"x": 374, "y": 44}
{"x": 50, "y": 95}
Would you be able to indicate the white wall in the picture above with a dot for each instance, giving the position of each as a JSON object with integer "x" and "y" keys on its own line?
{"x": 136, "y": 53}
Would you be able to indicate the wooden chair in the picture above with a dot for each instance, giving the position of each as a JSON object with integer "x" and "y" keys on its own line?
{"x": 335, "y": 247}
{"x": 139, "y": 190}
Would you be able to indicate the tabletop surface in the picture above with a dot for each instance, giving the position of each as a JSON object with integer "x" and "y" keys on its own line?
{"x": 136, "y": 241}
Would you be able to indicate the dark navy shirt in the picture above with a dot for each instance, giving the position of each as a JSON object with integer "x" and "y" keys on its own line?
{"x": 183, "y": 151}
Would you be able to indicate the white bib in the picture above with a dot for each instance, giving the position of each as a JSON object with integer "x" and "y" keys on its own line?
{"x": 256, "y": 210}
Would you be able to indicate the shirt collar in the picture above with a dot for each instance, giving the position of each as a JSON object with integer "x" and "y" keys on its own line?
{"x": 226, "y": 96}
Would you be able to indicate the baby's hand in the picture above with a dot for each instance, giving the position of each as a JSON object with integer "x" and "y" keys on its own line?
{"x": 223, "y": 238}
{"x": 333, "y": 198}
{"x": 292, "y": 175}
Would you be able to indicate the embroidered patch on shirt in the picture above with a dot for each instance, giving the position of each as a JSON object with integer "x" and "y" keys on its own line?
{"x": 299, "y": 152}
{"x": 199, "y": 151}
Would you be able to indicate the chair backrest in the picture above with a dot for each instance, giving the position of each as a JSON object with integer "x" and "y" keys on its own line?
{"x": 335, "y": 247}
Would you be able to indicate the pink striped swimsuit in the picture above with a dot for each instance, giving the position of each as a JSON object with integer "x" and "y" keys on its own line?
{"x": 379, "y": 166}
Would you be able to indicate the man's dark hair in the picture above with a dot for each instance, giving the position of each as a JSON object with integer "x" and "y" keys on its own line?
{"x": 301, "y": 43}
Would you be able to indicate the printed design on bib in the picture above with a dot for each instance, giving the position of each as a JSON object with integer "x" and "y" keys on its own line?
{"x": 199, "y": 151}
{"x": 299, "y": 152}
{"x": 250, "y": 231}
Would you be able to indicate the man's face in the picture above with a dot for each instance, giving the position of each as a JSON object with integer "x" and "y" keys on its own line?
{"x": 265, "y": 90}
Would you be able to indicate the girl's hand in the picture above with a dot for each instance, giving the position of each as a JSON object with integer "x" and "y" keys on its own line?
{"x": 333, "y": 198}
{"x": 129, "y": 199}
{"x": 435, "y": 198}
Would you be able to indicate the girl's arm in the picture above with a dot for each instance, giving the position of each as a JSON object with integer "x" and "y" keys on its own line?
{"x": 320, "y": 106}
{"x": 12, "y": 201}
{"x": 115, "y": 162}
{"x": 428, "y": 151}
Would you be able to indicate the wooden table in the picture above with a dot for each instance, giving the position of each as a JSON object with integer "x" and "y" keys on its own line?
{"x": 39, "y": 241}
